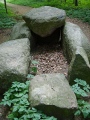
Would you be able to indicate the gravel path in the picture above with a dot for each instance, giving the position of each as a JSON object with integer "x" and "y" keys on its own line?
{"x": 51, "y": 59}
{"x": 18, "y": 9}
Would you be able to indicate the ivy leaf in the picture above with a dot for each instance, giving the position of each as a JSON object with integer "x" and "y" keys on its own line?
{"x": 21, "y": 109}
{"x": 80, "y": 82}
{"x": 15, "y": 108}
{"x": 85, "y": 113}
{"x": 78, "y": 112}
{"x": 34, "y": 62}
{"x": 16, "y": 119}
{"x": 30, "y": 76}
{"x": 19, "y": 95}
{"x": 33, "y": 69}
{"x": 37, "y": 115}
{"x": 11, "y": 116}
{"x": 17, "y": 98}
{"x": 51, "y": 118}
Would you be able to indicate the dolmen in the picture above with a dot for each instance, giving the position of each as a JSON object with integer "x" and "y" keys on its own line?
{"x": 50, "y": 93}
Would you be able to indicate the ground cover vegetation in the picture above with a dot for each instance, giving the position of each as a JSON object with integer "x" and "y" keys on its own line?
{"x": 16, "y": 98}
{"x": 7, "y": 20}
{"x": 82, "y": 91}
{"x": 74, "y": 8}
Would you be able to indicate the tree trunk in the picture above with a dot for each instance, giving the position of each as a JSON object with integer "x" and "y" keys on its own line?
{"x": 5, "y": 5}
{"x": 76, "y": 2}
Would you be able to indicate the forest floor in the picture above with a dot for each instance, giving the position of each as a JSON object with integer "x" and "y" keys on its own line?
{"x": 50, "y": 58}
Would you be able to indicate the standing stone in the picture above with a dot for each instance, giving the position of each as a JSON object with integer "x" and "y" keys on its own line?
{"x": 14, "y": 62}
{"x": 20, "y": 30}
{"x": 52, "y": 94}
{"x": 76, "y": 49}
{"x": 79, "y": 66}
{"x": 45, "y": 20}
{"x": 73, "y": 37}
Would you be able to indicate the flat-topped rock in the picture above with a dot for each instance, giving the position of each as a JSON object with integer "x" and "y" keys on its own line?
{"x": 14, "y": 62}
{"x": 52, "y": 94}
{"x": 45, "y": 20}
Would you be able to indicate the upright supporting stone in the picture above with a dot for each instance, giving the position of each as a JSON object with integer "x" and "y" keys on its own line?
{"x": 20, "y": 30}
{"x": 79, "y": 66}
{"x": 76, "y": 49}
{"x": 14, "y": 62}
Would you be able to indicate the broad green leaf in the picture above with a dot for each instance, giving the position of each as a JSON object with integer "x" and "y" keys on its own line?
{"x": 78, "y": 112}
{"x": 19, "y": 95}
{"x": 80, "y": 82}
{"x": 37, "y": 115}
{"x": 33, "y": 69}
{"x": 30, "y": 76}
{"x": 34, "y": 62}
{"x": 21, "y": 109}
{"x": 15, "y": 108}
{"x": 11, "y": 116}
{"x": 16, "y": 119}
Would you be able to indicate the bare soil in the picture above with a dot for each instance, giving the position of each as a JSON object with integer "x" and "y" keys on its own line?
{"x": 51, "y": 59}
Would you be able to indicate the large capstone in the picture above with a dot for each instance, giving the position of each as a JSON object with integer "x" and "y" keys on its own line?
{"x": 76, "y": 49}
{"x": 14, "y": 62}
{"x": 20, "y": 30}
{"x": 52, "y": 94}
{"x": 45, "y": 20}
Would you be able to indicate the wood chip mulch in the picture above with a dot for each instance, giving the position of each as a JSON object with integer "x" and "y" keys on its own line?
{"x": 51, "y": 59}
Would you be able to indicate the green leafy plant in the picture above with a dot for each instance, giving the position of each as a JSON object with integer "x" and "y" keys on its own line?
{"x": 82, "y": 11}
{"x": 17, "y": 99}
{"x": 6, "y": 20}
{"x": 33, "y": 68}
{"x": 82, "y": 89}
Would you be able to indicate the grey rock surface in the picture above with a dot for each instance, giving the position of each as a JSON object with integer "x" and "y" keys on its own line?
{"x": 76, "y": 49}
{"x": 45, "y": 20}
{"x": 74, "y": 37}
{"x": 20, "y": 30}
{"x": 14, "y": 62}
{"x": 79, "y": 66}
{"x": 52, "y": 94}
